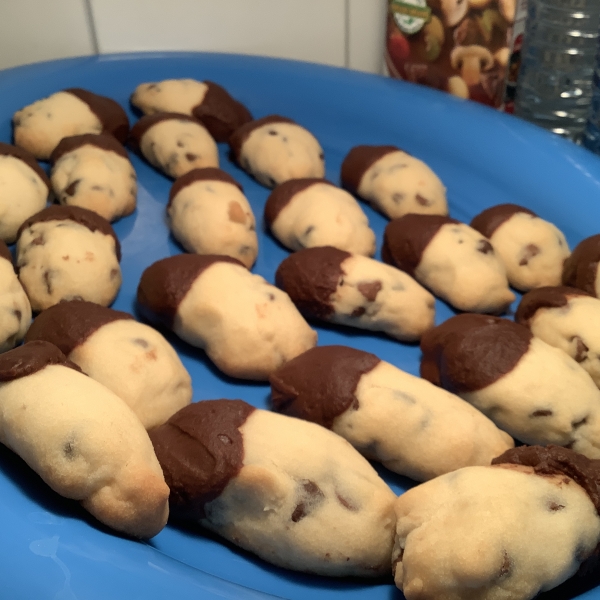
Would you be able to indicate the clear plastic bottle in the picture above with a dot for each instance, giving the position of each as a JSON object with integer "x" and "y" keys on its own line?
{"x": 591, "y": 138}
{"x": 554, "y": 88}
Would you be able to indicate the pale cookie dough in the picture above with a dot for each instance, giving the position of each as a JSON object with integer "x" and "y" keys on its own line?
{"x": 15, "y": 310}
{"x": 581, "y": 268}
{"x": 210, "y": 103}
{"x": 292, "y": 492}
{"x": 209, "y": 214}
{"x": 393, "y": 182}
{"x": 304, "y": 213}
{"x": 533, "y": 391}
{"x": 39, "y": 127}
{"x": 81, "y": 439}
{"x": 68, "y": 253}
{"x": 451, "y": 259}
{"x": 94, "y": 172}
{"x": 502, "y": 532}
{"x": 174, "y": 144}
{"x": 566, "y": 318}
{"x": 246, "y": 326}
{"x": 411, "y": 426}
{"x": 532, "y": 250}
{"x": 335, "y": 286}
{"x": 274, "y": 149}
{"x": 131, "y": 359}
{"x": 24, "y": 188}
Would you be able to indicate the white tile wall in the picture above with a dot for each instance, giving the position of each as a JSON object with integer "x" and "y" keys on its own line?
{"x": 36, "y": 30}
{"x": 336, "y": 32}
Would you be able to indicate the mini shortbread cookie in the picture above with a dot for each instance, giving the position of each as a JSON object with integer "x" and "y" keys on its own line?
{"x": 15, "y": 310}
{"x": 502, "y": 532}
{"x": 131, "y": 359}
{"x": 94, "y": 172}
{"x": 68, "y": 253}
{"x": 210, "y": 103}
{"x": 274, "y": 149}
{"x": 81, "y": 439}
{"x": 40, "y": 126}
{"x": 209, "y": 214}
{"x": 174, "y": 144}
{"x": 393, "y": 182}
{"x": 411, "y": 426}
{"x": 333, "y": 285}
{"x": 24, "y": 188}
{"x": 581, "y": 268}
{"x": 292, "y": 492}
{"x": 530, "y": 389}
{"x": 532, "y": 250}
{"x": 567, "y": 318}
{"x": 304, "y": 213}
{"x": 246, "y": 326}
{"x": 451, "y": 259}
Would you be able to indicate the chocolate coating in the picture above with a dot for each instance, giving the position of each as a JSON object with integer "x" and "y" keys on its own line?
{"x": 206, "y": 174}
{"x": 282, "y": 195}
{"x": 310, "y": 277}
{"x": 102, "y": 141}
{"x": 358, "y": 161}
{"x": 544, "y": 297}
{"x": 31, "y": 358}
{"x": 165, "y": 283}
{"x": 5, "y": 252}
{"x": 240, "y": 135}
{"x": 490, "y": 219}
{"x": 93, "y": 221}
{"x": 556, "y": 460}
{"x": 147, "y": 121}
{"x": 320, "y": 384}
{"x": 200, "y": 449}
{"x": 581, "y": 267}
{"x": 220, "y": 113}
{"x": 468, "y": 352}
{"x": 111, "y": 114}
{"x": 405, "y": 239}
{"x": 27, "y": 158}
{"x": 69, "y": 323}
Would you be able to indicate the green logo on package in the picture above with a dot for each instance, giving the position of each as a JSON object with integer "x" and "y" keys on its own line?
{"x": 410, "y": 15}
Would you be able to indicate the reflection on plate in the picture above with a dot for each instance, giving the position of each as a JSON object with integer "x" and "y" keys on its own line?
{"x": 51, "y": 548}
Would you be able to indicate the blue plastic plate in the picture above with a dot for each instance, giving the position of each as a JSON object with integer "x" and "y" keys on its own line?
{"x": 50, "y": 548}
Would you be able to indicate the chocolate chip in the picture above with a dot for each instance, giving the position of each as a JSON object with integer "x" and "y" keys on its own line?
{"x": 272, "y": 297}
{"x": 577, "y": 424}
{"x": 422, "y": 200}
{"x": 17, "y": 313}
{"x": 72, "y": 187}
{"x": 484, "y": 247}
{"x": 140, "y": 342}
{"x": 180, "y": 144}
{"x": 369, "y": 289}
{"x": 47, "y": 277}
{"x": 321, "y": 156}
{"x": 69, "y": 450}
{"x": 236, "y": 213}
{"x": 346, "y": 503}
{"x": 506, "y": 566}
{"x": 190, "y": 156}
{"x": 554, "y": 506}
{"x": 299, "y": 512}
{"x": 244, "y": 250}
{"x": 98, "y": 188}
{"x": 39, "y": 240}
{"x": 397, "y": 197}
{"x": 358, "y": 312}
{"x": 581, "y": 349}
{"x": 114, "y": 273}
{"x": 308, "y": 230}
{"x": 542, "y": 413}
{"x": 530, "y": 251}
{"x": 272, "y": 132}
{"x": 310, "y": 496}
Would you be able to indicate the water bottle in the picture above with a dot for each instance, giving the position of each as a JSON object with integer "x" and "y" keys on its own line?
{"x": 591, "y": 137}
{"x": 554, "y": 88}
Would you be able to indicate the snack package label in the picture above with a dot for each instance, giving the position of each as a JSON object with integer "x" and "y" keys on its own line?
{"x": 457, "y": 46}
